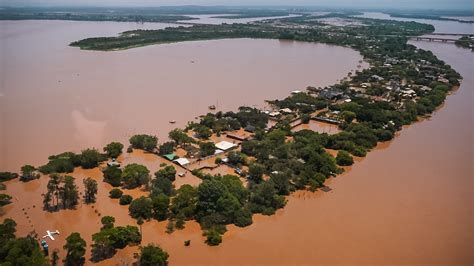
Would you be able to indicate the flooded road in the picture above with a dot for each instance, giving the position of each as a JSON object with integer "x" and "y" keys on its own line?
{"x": 57, "y": 98}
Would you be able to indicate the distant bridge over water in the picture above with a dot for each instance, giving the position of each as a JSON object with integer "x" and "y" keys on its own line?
{"x": 432, "y": 39}
{"x": 451, "y": 34}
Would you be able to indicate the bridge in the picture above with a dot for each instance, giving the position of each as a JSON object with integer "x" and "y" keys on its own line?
{"x": 451, "y": 34}
{"x": 432, "y": 39}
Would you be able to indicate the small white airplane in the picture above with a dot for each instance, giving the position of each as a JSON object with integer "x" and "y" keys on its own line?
{"x": 50, "y": 234}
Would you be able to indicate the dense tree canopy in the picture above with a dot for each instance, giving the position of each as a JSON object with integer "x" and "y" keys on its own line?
{"x": 90, "y": 190}
{"x": 90, "y": 158}
{"x": 152, "y": 255}
{"x": 76, "y": 249}
{"x": 113, "y": 149}
{"x": 113, "y": 175}
{"x": 144, "y": 142}
{"x": 135, "y": 175}
{"x": 141, "y": 207}
{"x": 19, "y": 251}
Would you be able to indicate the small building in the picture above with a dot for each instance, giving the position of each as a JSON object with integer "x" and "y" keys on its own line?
{"x": 225, "y": 145}
{"x": 331, "y": 94}
{"x": 376, "y": 78}
{"x": 237, "y": 137}
{"x": 274, "y": 114}
{"x": 443, "y": 80}
{"x": 286, "y": 111}
{"x": 250, "y": 128}
{"x": 296, "y": 92}
{"x": 170, "y": 156}
{"x": 181, "y": 161}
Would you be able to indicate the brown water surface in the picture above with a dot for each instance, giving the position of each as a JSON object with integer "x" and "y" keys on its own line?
{"x": 55, "y": 98}
{"x": 409, "y": 202}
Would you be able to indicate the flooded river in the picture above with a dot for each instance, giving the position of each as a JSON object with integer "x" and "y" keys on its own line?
{"x": 409, "y": 202}
{"x": 56, "y": 98}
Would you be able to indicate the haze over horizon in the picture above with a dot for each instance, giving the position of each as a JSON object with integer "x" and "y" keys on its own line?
{"x": 402, "y": 4}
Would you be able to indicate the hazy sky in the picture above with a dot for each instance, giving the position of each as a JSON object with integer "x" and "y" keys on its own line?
{"x": 424, "y": 4}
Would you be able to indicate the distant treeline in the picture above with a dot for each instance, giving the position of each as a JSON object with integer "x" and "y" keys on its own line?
{"x": 432, "y": 17}
{"x": 136, "y": 14}
{"x": 347, "y": 36}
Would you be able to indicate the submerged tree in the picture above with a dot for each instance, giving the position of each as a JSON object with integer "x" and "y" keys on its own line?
{"x": 113, "y": 175}
{"x": 168, "y": 172}
{"x": 343, "y": 158}
{"x": 180, "y": 137}
{"x": 19, "y": 251}
{"x": 90, "y": 190}
{"x": 135, "y": 175}
{"x": 69, "y": 193}
{"x": 76, "y": 249}
{"x": 113, "y": 149}
{"x": 51, "y": 197}
{"x": 141, "y": 208}
{"x": 144, "y": 142}
{"x": 90, "y": 158}
{"x": 29, "y": 172}
{"x": 107, "y": 222}
{"x": 152, "y": 255}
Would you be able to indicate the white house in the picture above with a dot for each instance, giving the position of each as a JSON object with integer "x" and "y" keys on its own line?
{"x": 182, "y": 161}
{"x": 225, "y": 145}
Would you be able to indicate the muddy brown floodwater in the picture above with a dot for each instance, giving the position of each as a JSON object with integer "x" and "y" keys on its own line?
{"x": 409, "y": 202}
{"x": 55, "y": 98}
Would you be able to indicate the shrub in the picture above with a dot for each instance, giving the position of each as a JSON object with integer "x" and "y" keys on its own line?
{"x": 113, "y": 149}
{"x": 113, "y": 175}
{"x": 152, "y": 255}
{"x": 243, "y": 217}
{"x": 28, "y": 172}
{"x": 5, "y": 176}
{"x": 141, "y": 208}
{"x": 305, "y": 118}
{"x": 168, "y": 172}
{"x": 167, "y": 147}
{"x": 359, "y": 152}
{"x": 213, "y": 237}
{"x": 125, "y": 199}
{"x": 343, "y": 158}
{"x": 5, "y": 199}
{"x": 135, "y": 175}
{"x": 90, "y": 158}
{"x": 115, "y": 193}
{"x": 144, "y": 142}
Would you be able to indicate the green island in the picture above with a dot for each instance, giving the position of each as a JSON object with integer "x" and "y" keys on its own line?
{"x": 435, "y": 15}
{"x": 140, "y": 15}
{"x": 465, "y": 42}
{"x": 270, "y": 160}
